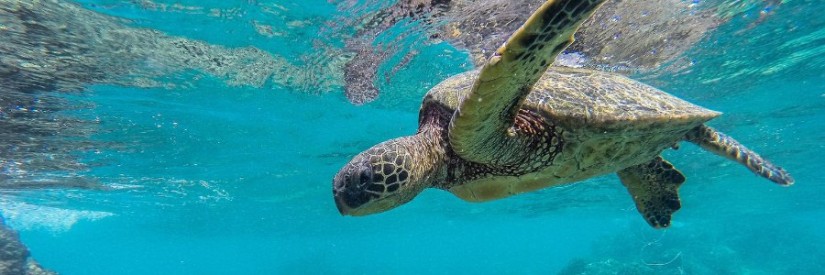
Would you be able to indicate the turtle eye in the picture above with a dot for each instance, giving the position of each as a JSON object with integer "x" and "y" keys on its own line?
{"x": 364, "y": 177}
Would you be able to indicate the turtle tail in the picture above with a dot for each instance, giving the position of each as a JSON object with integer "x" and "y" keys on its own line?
{"x": 712, "y": 140}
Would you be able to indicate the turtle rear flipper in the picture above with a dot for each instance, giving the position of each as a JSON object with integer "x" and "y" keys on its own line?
{"x": 723, "y": 145}
{"x": 479, "y": 129}
{"x": 655, "y": 189}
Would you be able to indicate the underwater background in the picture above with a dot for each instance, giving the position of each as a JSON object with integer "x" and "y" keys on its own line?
{"x": 205, "y": 138}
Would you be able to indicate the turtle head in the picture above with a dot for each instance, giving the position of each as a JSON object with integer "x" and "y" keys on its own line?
{"x": 378, "y": 180}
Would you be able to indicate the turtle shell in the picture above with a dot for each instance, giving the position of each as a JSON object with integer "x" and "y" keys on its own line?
{"x": 605, "y": 121}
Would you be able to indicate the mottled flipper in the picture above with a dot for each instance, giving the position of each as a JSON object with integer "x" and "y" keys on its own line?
{"x": 655, "y": 189}
{"x": 723, "y": 145}
{"x": 479, "y": 131}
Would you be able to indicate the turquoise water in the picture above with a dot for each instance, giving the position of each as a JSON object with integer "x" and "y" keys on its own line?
{"x": 222, "y": 179}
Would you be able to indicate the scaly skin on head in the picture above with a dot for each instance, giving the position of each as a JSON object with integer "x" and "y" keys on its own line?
{"x": 393, "y": 172}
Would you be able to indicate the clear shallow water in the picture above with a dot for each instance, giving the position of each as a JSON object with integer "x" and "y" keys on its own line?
{"x": 218, "y": 179}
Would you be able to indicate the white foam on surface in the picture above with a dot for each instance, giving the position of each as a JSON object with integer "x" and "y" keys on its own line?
{"x": 25, "y": 216}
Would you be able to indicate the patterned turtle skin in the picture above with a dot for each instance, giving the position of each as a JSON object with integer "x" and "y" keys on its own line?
{"x": 518, "y": 125}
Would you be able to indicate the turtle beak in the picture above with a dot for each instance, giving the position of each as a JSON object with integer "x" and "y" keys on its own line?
{"x": 348, "y": 197}
{"x": 352, "y": 203}
{"x": 343, "y": 208}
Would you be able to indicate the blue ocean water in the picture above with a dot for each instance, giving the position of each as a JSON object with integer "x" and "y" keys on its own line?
{"x": 224, "y": 179}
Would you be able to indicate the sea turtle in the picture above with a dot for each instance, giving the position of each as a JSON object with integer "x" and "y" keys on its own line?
{"x": 514, "y": 126}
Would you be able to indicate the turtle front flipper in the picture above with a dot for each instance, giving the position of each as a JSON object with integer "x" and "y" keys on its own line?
{"x": 480, "y": 129}
{"x": 723, "y": 145}
{"x": 655, "y": 189}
